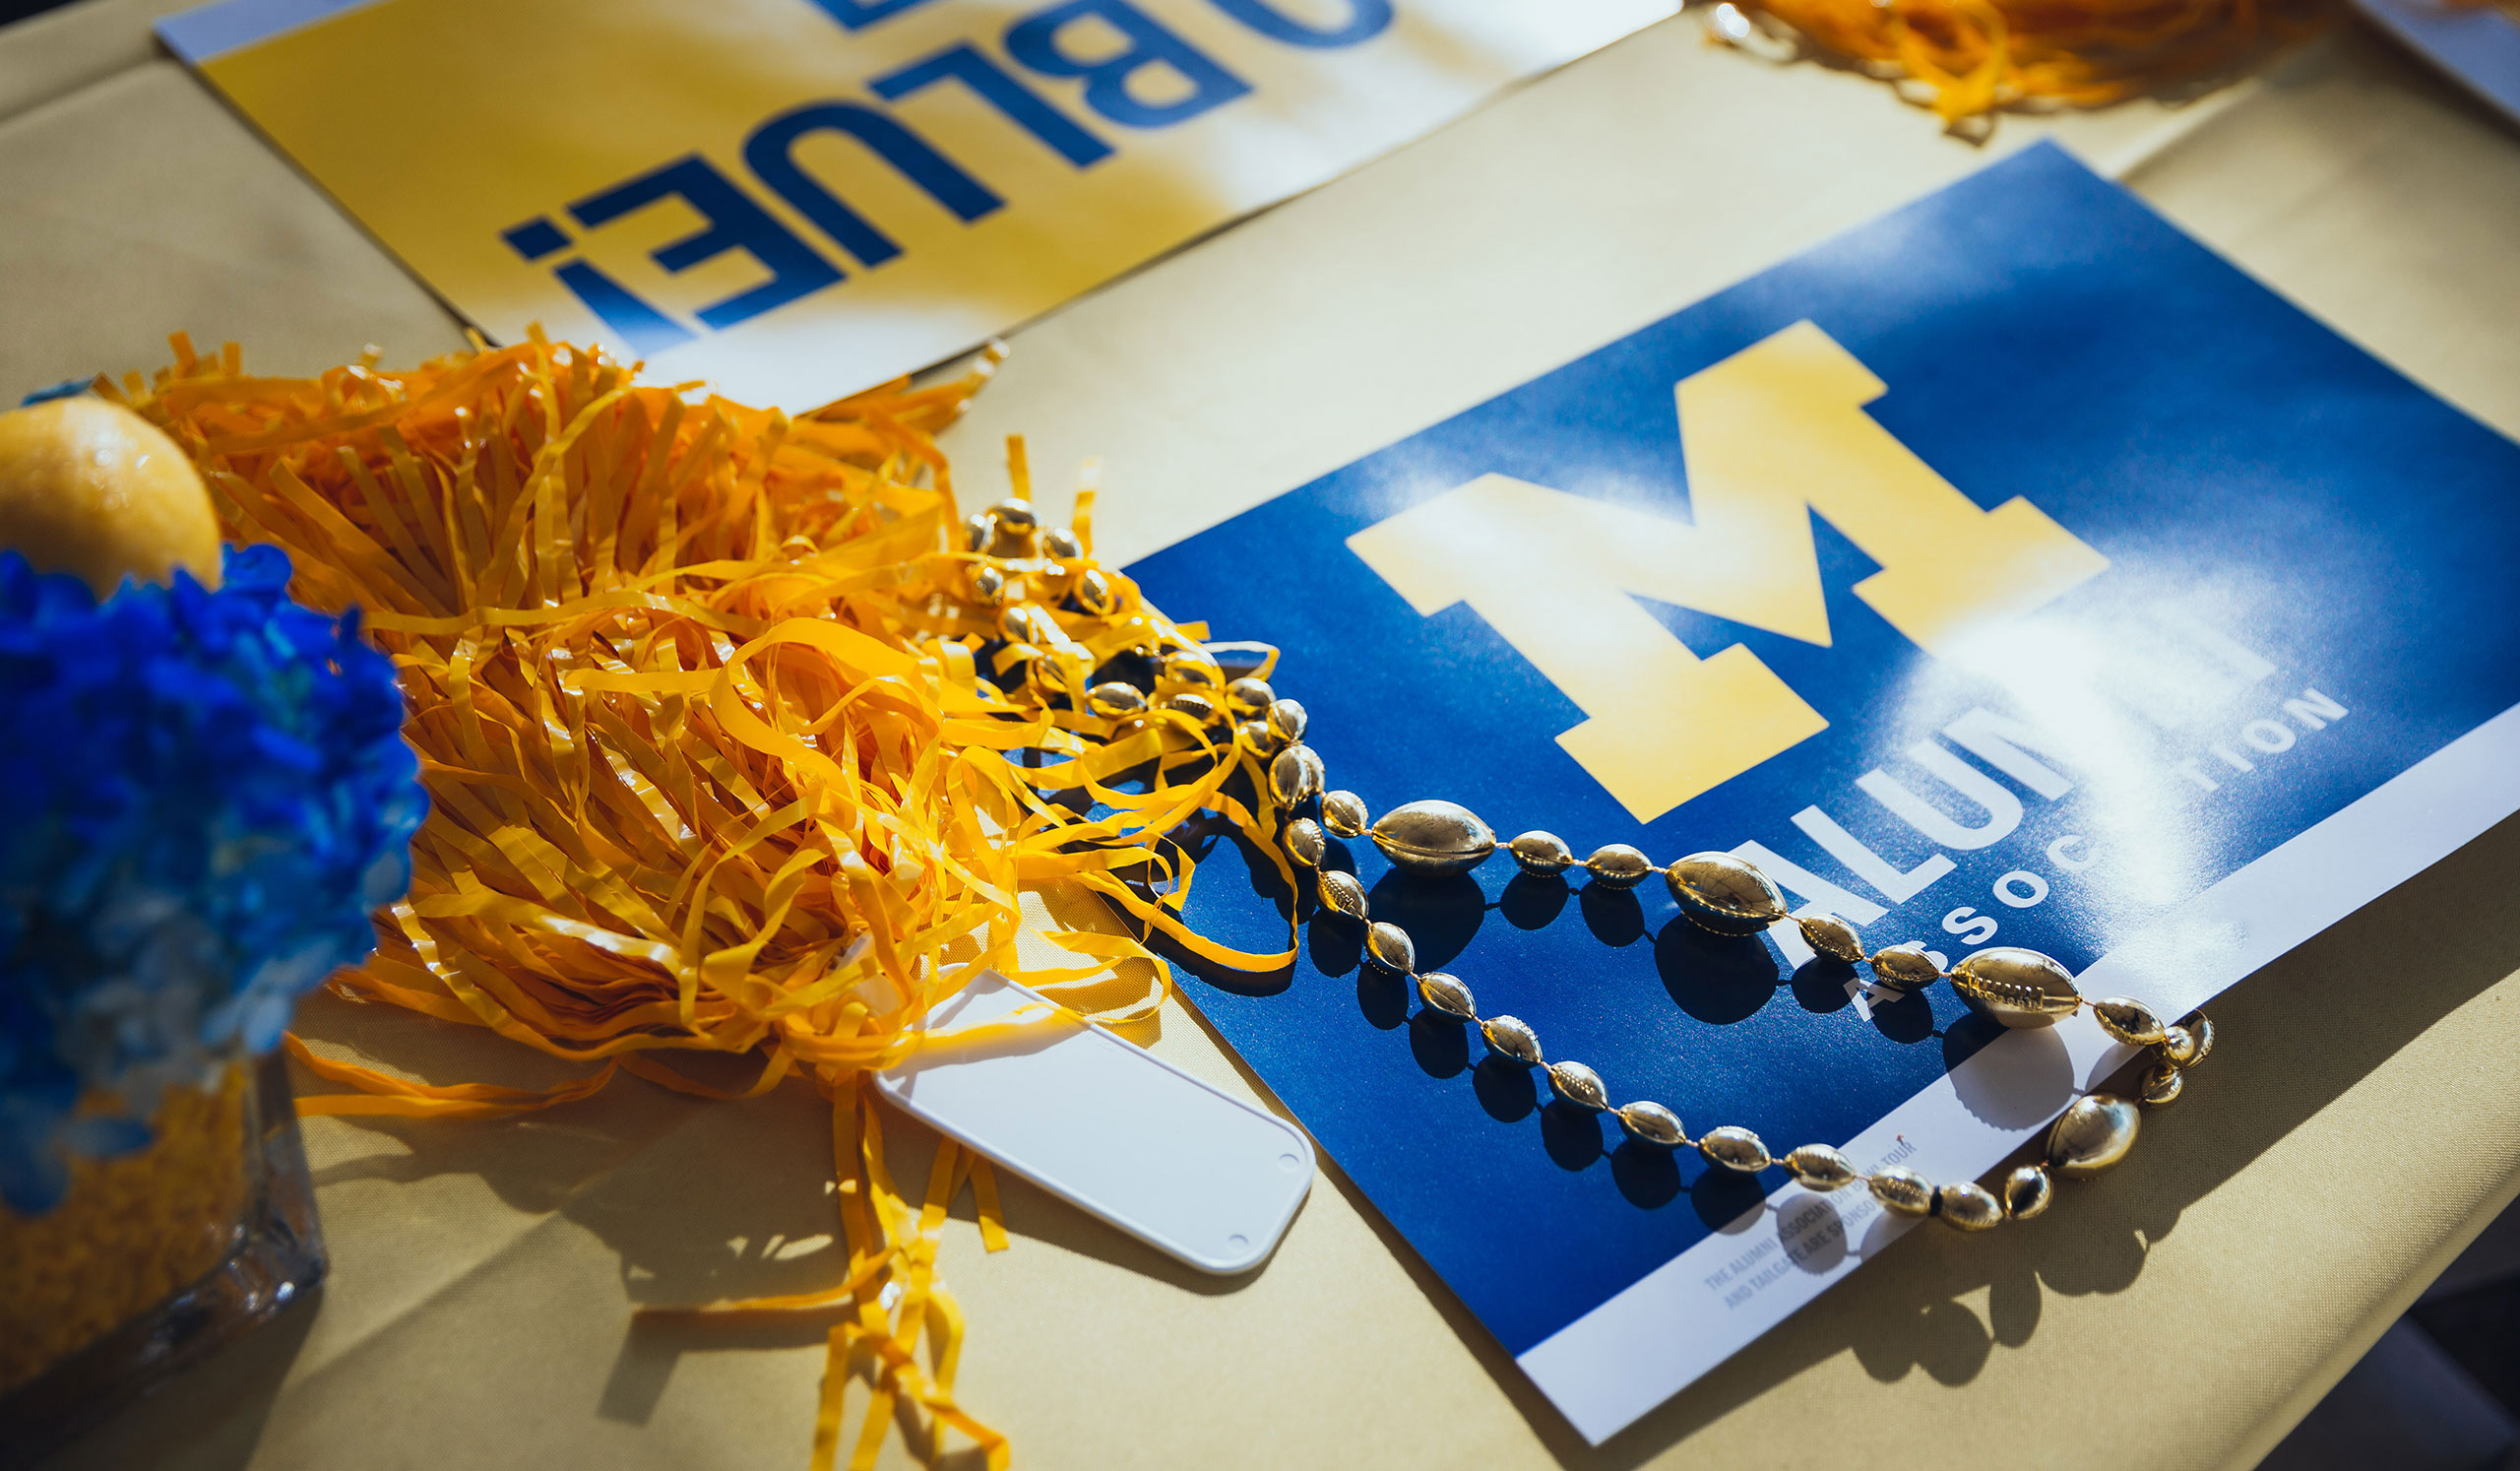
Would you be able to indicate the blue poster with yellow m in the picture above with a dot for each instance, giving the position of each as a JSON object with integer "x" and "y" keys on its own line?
{"x": 2009, "y": 571}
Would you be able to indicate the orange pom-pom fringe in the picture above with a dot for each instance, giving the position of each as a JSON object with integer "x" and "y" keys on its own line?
{"x": 1966, "y": 59}
{"x": 697, "y": 693}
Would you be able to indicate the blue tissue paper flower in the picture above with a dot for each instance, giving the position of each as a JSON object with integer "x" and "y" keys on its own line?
{"x": 202, "y": 797}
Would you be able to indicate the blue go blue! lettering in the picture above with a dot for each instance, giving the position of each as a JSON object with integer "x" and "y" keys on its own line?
{"x": 1050, "y": 43}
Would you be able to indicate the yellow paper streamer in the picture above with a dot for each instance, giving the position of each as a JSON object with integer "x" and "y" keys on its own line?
{"x": 711, "y": 763}
{"x": 1969, "y": 58}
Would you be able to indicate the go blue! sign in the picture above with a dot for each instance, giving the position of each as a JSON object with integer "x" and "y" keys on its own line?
{"x": 1049, "y": 44}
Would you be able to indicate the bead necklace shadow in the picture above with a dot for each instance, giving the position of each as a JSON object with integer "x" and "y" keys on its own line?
{"x": 2264, "y": 1079}
{"x": 1716, "y": 980}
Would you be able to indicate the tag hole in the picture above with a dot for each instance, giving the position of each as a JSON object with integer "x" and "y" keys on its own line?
{"x": 1239, "y": 1242}
{"x": 1289, "y": 1162}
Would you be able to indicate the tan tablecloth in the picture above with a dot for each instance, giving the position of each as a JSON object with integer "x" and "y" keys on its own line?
{"x": 2357, "y": 1126}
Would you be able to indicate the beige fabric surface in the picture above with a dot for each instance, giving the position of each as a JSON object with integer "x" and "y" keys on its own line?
{"x": 60, "y": 51}
{"x": 2357, "y": 1125}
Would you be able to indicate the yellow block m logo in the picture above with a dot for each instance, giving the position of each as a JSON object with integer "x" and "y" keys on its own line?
{"x": 1769, "y": 435}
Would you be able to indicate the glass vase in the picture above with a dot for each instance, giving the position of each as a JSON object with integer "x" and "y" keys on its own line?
{"x": 154, "y": 1259}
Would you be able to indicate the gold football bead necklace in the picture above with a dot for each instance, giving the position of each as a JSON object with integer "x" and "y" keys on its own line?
{"x": 1017, "y": 561}
{"x": 1727, "y": 896}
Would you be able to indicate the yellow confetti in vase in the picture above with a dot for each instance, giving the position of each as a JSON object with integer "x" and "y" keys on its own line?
{"x": 154, "y": 1259}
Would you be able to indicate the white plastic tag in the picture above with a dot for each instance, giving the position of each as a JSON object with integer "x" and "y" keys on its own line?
{"x": 1095, "y": 1120}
